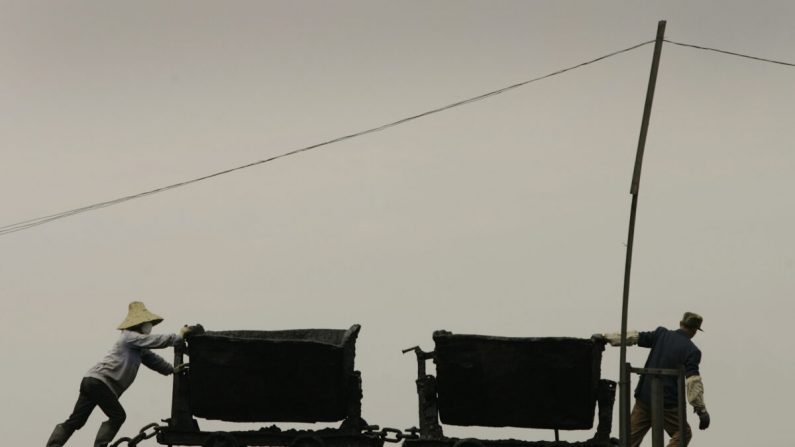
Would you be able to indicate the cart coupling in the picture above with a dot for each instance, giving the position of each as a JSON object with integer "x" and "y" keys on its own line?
{"x": 395, "y": 435}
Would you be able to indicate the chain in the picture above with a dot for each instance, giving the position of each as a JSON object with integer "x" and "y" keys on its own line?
{"x": 391, "y": 435}
{"x": 143, "y": 434}
{"x": 385, "y": 434}
{"x": 399, "y": 435}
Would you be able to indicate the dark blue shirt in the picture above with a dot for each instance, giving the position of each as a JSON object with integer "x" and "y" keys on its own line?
{"x": 669, "y": 349}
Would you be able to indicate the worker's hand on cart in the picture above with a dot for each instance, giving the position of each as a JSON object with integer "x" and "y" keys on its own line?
{"x": 186, "y": 330}
{"x": 614, "y": 338}
{"x": 181, "y": 368}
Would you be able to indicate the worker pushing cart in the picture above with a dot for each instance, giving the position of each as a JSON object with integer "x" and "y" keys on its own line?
{"x": 669, "y": 349}
{"x": 104, "y": 383}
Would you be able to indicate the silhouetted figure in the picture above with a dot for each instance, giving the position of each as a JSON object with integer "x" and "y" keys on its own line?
{"x": 670, "y": 350}
{"x": 103, "y": 384}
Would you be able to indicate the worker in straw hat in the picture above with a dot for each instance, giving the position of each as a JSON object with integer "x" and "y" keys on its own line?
{"x": 669, "y": 350}
{"x": 103, "y": 384}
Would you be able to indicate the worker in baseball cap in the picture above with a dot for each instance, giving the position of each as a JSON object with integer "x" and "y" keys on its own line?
{"x": 104, "y": 383}
{"x": 670, "y": 349}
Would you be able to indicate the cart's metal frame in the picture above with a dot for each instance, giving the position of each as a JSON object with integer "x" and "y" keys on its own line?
{"x": 183, "y": 429}
{"x": 431, "y": 434}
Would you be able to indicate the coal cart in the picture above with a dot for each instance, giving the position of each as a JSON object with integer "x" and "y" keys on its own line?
{"x": 304, "y": 375}
{"x": 544, "y": 383}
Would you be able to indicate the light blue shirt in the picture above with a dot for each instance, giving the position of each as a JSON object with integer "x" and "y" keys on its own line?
{"x": 120, "y": 366}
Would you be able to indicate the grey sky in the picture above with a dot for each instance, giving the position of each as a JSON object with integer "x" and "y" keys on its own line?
{"x": 503, "y": 217}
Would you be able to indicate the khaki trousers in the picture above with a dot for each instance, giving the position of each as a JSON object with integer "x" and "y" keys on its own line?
{"x": 640, "y": 423}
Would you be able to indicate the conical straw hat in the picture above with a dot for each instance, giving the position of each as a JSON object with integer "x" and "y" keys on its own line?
{"x": 138, "y": 314}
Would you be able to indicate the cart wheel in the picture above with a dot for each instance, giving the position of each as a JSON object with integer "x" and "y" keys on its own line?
{"x": 308, "y": 441}
{"x": 468, "y": 442}
{"x": 221, "y": 440}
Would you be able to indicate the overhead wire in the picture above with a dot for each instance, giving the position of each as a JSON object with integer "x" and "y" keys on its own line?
{"x": 29, "y": 223}
{"x": 699, "y": 47}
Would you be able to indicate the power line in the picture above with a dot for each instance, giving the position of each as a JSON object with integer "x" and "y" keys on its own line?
{"x": 730, "y": 53}
{"x": 26, "y": 224}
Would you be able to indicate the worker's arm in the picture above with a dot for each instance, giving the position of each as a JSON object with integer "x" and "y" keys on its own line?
{"x": 649, "y": 339}
{"x": 642, "y": 339}
{"x": 614, "y": 338}
{"x": 155, "y": 362}
{"x": 152, "y": 341}
{"x": 695, "y": 395}
{"x": 695, "y": 388}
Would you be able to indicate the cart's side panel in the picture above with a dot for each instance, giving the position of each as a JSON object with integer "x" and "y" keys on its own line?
{"x": 517, "y": 382}
{"x": 277, "y": 376}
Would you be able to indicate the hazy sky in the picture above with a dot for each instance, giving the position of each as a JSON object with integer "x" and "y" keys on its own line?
{"x": 503, "y": 217}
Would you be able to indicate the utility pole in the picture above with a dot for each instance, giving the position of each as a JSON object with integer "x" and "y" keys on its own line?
{"x": 624, "y": 391}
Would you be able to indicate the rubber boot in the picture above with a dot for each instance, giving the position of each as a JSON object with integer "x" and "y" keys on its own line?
{"x": 59, "y": 436}
{"x": 107, "y": 431}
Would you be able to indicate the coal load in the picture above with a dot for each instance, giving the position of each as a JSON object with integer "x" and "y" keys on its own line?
{"x": 517, "y": 382}
{"x": 274, "y": 376}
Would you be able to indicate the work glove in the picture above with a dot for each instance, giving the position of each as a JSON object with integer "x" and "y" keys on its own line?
{"x": 614, "y": 338}
{"x": 703, "y": 420}
{"x": 184, "y": 331}
{"x": 180, "y": 368}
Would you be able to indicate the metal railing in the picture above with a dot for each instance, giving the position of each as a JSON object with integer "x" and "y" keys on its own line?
{"x": 656, "y": 375}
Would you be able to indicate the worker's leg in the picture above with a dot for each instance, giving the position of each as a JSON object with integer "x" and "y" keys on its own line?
{"x": 109, "y": 403}
{"x": 639, "y": 423}
{"x": 671, "y": 416}
{"x": 59, "y": 436}
{"x": 107, "y": 431}
{"x": 83, "y": 408}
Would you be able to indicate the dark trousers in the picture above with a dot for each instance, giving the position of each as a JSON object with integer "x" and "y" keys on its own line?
{"x": 93, "y": 393}
{"x": 640, "y": 422}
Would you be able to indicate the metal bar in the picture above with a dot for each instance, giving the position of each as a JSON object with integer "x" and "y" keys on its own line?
{"x": 644, "y": 127}
{"x": 260, "y": 438}
{"x": 181, "y": 416}
{"x": 657, "y": 371}
{"x": 624, "y": 390}
{"x": 426, "y": 397}
{"x": 624, "y": 412}
{"x": 657, "y": 416}
{"x": 606, "y": 399}
{"x": 682, "y": 405}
